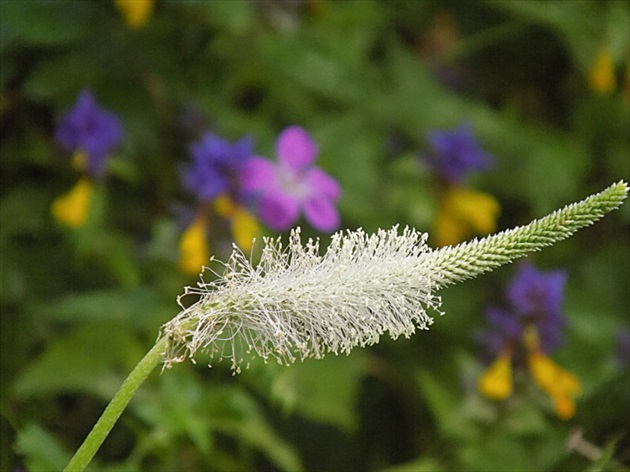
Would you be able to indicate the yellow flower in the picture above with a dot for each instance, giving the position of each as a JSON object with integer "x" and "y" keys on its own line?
{"x": 243, "y": 224}
{"x": 602, "y": 79}
{"x": 71, "y": 209}
{"x": 135, "y": 12}
{"x": 193, "y": 247}
{"x": 464, "y": 212}
{"x": 560, "y": 384}
{"x": 496, "y": 382}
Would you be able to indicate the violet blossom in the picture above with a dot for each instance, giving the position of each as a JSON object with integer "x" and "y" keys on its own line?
{"x": 456, "y": 153}
{"x": 216, "y": 167}
{"x": 91, "y": 130}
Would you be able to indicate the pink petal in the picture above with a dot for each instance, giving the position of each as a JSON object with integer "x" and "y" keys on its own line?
{"x": 295, "y": 148}
{"x": 278, "y": 210}
{"x": 323, "y": 184}
{"x": 258, "y": 174}
{"x": 321, "y": 213}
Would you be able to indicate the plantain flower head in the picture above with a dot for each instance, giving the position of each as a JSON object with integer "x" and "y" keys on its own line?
{"x": 296, "y": 303}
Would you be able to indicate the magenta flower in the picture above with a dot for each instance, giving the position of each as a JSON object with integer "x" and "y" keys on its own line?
{"x": 293, "y": 184}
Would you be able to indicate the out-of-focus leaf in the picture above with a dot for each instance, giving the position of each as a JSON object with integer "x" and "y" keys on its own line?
{"x": 186, "y": 407}
{"x": 254, "y": 430}
{"x": 410, "y": 194}
{"x": 142, "y": 308}
{"x": 584, "y": 25}
{"x": 321, "y": 390}
{"x": 356, "y": 166}
{"x": 423, "y": 464}
{"x": 40, "y": 450}
{"x": 444, "y": 404}
{"x": 45, "y": 23}
{"x": 23, "y": 212}
{"x": 496, "y": 452}
{"x": 233, "y": 18}
{"x": 179, "y": 409}
{"x": 606, "y": 460}
{"x": 85, "y": 360}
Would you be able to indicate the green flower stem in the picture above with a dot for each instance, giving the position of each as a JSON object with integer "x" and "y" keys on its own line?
{"x": 106, "y": 422}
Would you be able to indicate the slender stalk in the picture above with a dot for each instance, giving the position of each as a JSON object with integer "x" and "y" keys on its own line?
{"x": 106, "y": 422}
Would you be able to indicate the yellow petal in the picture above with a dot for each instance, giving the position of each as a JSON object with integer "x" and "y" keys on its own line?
{"x": 564, "y": 406}
{"x": 244, "y": 229}
{"x": 243, "y": 224}
{"x": 224, "y": 206}
{"x": 559, "y": 383}
{"x": 496, "y": 382}
{"x": 465, "y": 212}
{"x": 71, "y": 209}
{"x": 135, "y": 12}
{"x": 602, "y": 79}
{"x": 193, "y": 247}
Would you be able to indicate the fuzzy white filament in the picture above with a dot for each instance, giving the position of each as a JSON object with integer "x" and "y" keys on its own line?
{"x": 296, "y": 303}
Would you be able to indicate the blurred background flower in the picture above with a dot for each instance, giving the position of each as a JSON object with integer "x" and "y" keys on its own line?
{"x": 216, "y": 167}
{"x": 455, "y": 154}
{"x": 522, "y": 335}
{"x": 135, "y": 12}
{"x": 293, "y": 185}
{"x": 602, "y": 79}
{"x": 215, "y": 178}
{"x": 462, "y": 211}
{"x": 90, "y": 134}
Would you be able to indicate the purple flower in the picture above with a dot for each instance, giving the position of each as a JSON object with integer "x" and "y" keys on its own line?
{"x": 216, "y": 167}
{"x": 293, "y": 184}
{"x": 456, "y": 153}
{"x": 505, "y": 329}
{"x": 535, "y": 305}
{"x": 91, "y": 130}
{"x": 533, "y": 292}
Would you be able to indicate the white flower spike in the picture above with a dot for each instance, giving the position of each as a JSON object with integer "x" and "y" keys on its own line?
{"x": 296, "y": 303}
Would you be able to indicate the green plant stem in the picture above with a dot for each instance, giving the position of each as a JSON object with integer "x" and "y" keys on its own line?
{"x": 116, "y": 406}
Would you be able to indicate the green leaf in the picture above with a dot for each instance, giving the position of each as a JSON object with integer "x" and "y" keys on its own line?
{"x": 84, "y": 360}
{"x": 45, "y": 23}
{"x": 584, "y": 25}
{"x": 186, "y": 406}
{"x": 445, "y": 405}
{"x": 606, "y": 460}
{"x": 41, "y": 451}
{"x": 494, "y": 453}
{"x": 253, "y": 429}
{"x": 179, "y": 408}
{"x": 142, "y": 307}
{"x": 324, "y": 390}
{"x": 422, "y": 464}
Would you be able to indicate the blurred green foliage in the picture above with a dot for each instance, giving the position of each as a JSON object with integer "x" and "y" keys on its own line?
{"x": 367, "y": 79}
